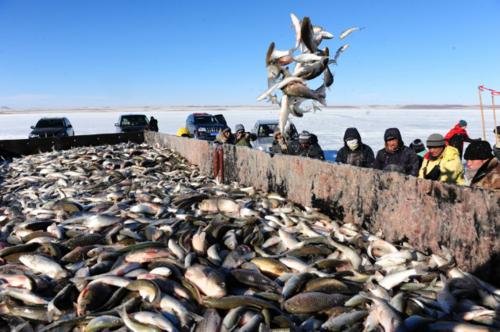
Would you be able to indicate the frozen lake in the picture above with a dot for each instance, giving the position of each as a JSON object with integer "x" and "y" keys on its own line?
{"x": 329, "y": 124}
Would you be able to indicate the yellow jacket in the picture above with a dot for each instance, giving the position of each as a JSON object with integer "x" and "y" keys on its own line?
{"x": 450, "y": 166}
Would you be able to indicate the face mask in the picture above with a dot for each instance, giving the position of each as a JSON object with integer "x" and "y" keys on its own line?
{"x": 352, "y": 144}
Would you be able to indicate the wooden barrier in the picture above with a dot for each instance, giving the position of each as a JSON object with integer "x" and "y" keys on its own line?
{"x": 425, "y": 213}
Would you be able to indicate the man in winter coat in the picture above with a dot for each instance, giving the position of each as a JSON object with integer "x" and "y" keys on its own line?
{"x": 225, "y": 136}
{"x": 309, "y": 147}
{"x": 458, "y": 135}
{"x": 395, "y": 156}
{"x": 153, "y": 124}
{"x": 442, "y": 163}
{"x": 483, "y": 169}
{"x": 355, "y": 152}
{"x": 242, "y": 138}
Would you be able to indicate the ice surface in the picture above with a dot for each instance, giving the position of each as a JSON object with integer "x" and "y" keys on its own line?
{"x": 329, "y": 124}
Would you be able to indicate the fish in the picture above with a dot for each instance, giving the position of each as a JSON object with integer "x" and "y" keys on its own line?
{"x": 103, "y": 322}
{"x": 310, "y": 302}
{"x": 154, "y": 319}
{"x": 347, "y": 32}
{"x": 337, "y": 323}
{"x": 339, "y": 51}
{"x": 279, "y": 85}
{"x": 135, "y": 326}
{"x": 307, "y": 35}
{"x": 44, "y": 265}
{"x": 142, "y": 240}
{"x": 298, "y": 89}
{"x": 208, "y": 280}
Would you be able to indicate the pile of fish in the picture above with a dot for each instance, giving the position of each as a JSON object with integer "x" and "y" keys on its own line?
{"x": 132, "y": 237}
{"x": 310, "y": 62}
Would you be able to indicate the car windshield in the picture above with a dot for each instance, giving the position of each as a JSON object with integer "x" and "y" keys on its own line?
{"x": 134, "y": 120}
{"x": 49, "y": 123}
{"x": 267, "y": 129}
{"x": 205, "y": 120}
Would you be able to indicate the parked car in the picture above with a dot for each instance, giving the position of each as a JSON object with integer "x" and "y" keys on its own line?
{"x": 264, "y": 130}
{"x": 205, "y": 126}
{"x": 132, "y": 122}
{"x": 52, "y": 127}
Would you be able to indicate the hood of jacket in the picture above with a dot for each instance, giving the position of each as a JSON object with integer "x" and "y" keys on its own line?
{"x": 352, "y": 133}
{"x": 394, "y": 132}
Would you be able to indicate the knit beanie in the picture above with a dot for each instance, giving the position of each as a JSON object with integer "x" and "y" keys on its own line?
{"x": 462, "y": 123}
{"x": 435, "y": 141}
{"x": 417, "y": 145}
{"x": 239, "y": 127}
{"x": 478, "y": 150}
{"x": 304, "y": 137}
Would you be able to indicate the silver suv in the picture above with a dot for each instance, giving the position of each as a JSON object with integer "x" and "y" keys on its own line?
{"x": 264, "y": 130}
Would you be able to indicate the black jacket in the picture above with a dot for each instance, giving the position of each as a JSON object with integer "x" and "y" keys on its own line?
{"x": 363, "y": 156}
{"x": 153, "y": 124}
{"x": 404, "y": 160}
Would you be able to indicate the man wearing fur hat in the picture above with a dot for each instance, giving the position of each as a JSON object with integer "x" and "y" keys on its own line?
{"x": 483, "y": 169}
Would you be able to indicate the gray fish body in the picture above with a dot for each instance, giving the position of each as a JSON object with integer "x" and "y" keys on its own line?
{"x": 301, "y": 90}
{"x": 304, "y": 303}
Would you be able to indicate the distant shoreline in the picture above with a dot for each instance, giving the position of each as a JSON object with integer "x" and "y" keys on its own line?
{"x": 6, "y": 110}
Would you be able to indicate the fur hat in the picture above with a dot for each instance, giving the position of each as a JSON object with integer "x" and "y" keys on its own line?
{"x": 478, "y": 150}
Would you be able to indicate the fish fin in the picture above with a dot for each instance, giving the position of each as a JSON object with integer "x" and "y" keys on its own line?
{"x": 269, "y": 53}
{"x": 307, "y": 35}
{"x": 297, "y": 27}
{"x": 316, "y": 107}
{"x": 321, "y": 91}
{"x": 328, "y": 77}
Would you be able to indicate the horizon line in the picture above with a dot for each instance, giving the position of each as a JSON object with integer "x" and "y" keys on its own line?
{"x": 5, "y": 108}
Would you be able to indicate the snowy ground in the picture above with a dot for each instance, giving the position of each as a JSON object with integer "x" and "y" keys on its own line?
{"x": 329, "y": 124}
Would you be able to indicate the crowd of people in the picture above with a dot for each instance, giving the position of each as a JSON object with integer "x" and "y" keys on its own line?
{"x": 439, "y": 159}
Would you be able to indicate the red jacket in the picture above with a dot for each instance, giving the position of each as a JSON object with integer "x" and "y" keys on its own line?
{"x": 454, "y": 131}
